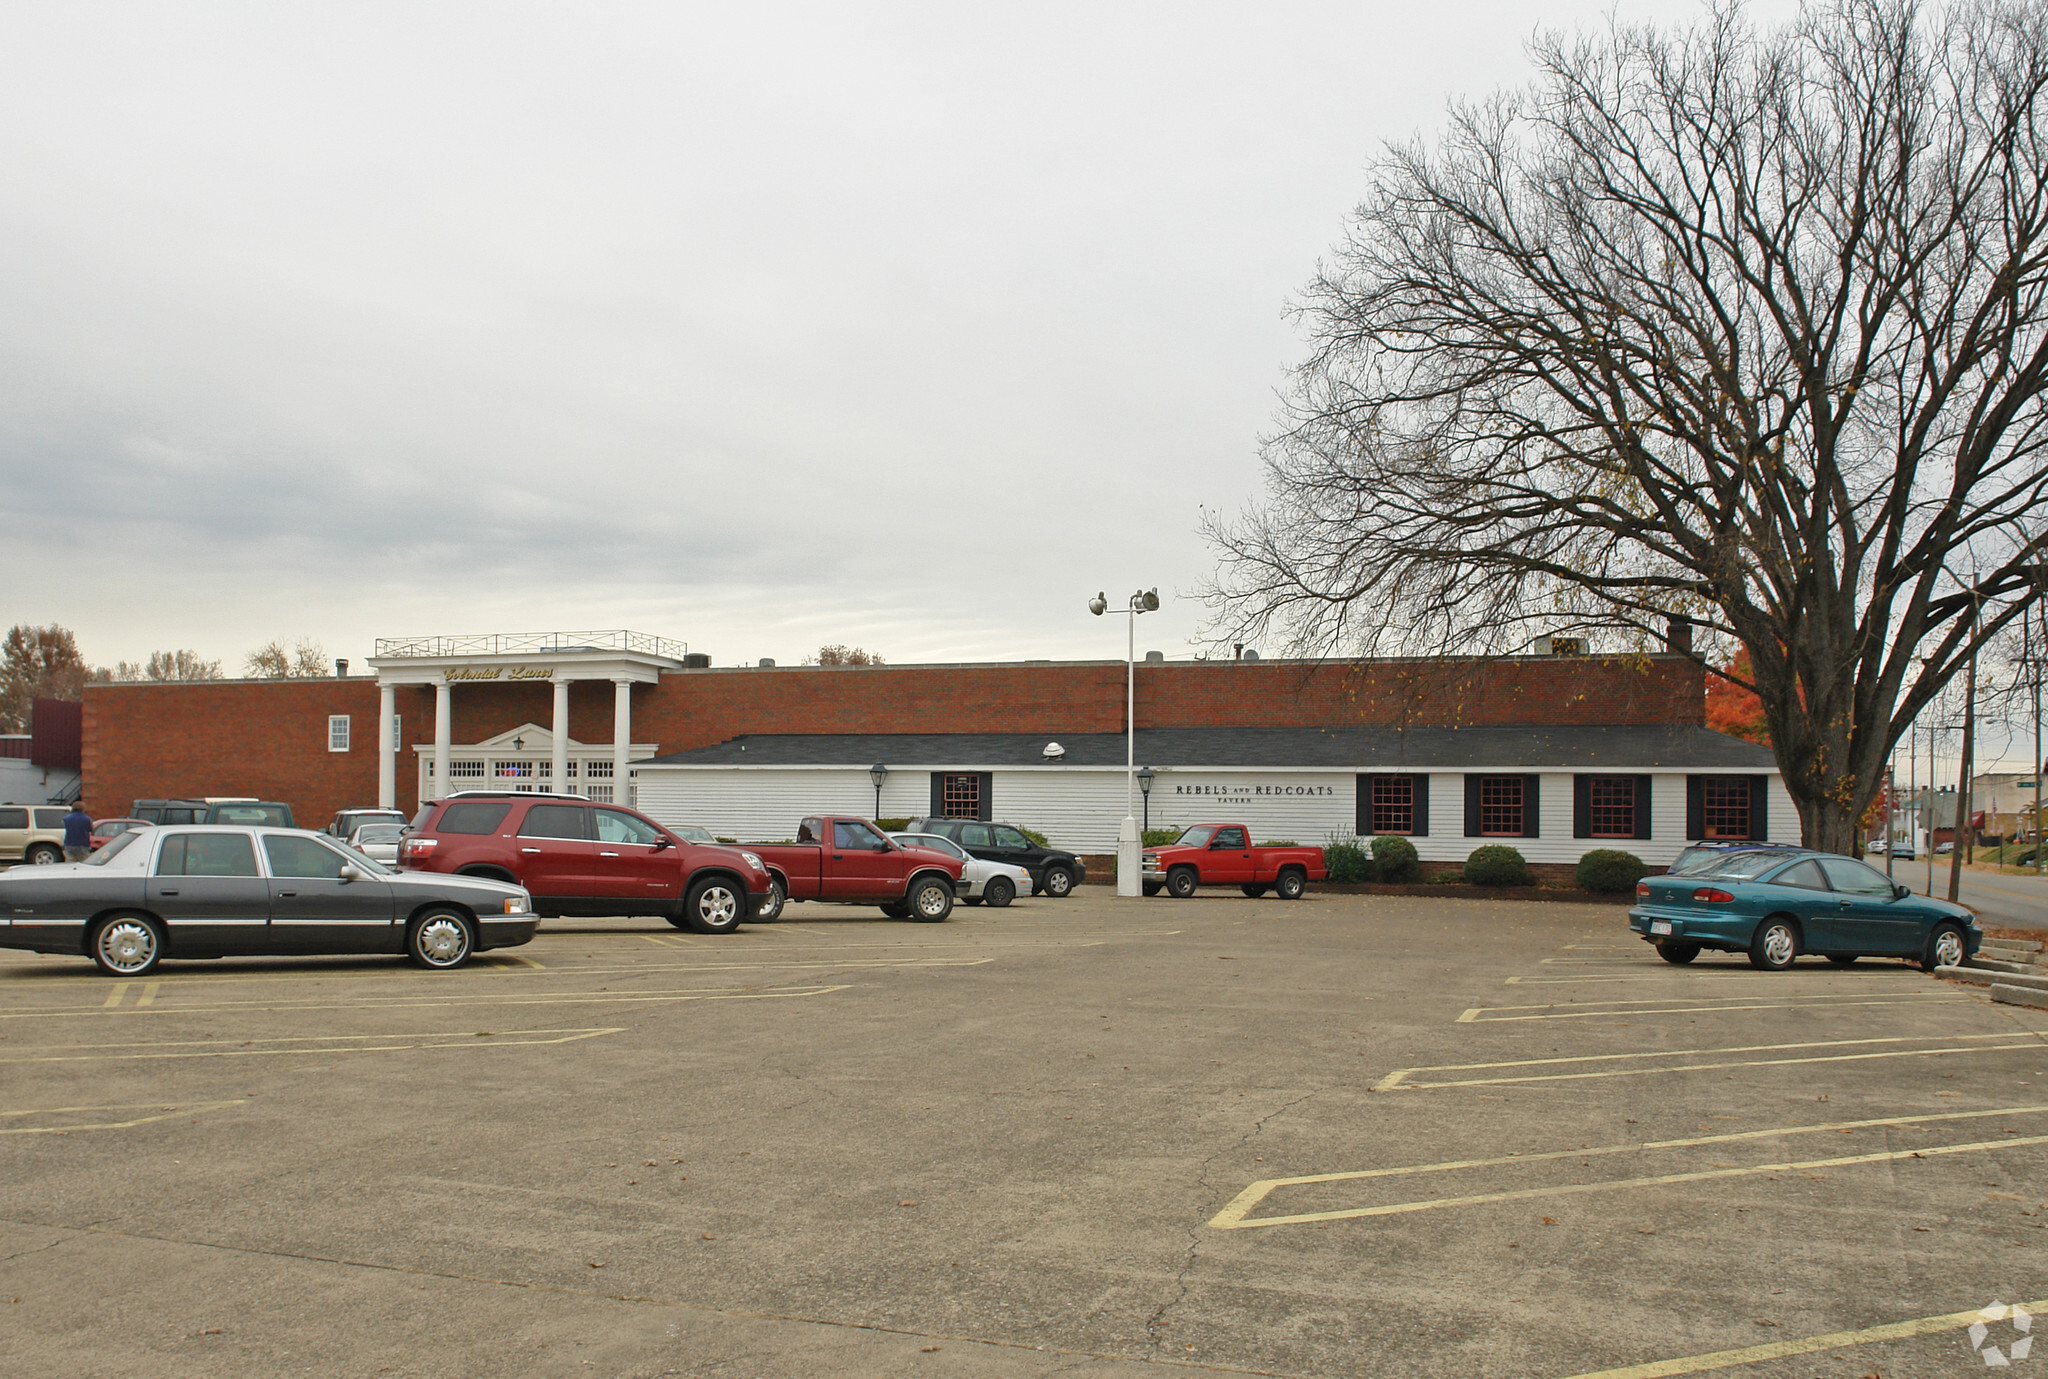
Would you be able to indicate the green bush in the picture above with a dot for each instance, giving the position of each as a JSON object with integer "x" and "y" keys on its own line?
{"x": 1278, "y": 843}
{"x": 1497, "y": 864}
{"x": 1609, "y": 871}
{"x": 1349, "y": 863}
{"x": 1395, "y": 857}
{"x": 892, "y": 825}
{"x": 1160, "y": 837}
{"x": 1034, "y": 835}
{"x": 728, "y": 840}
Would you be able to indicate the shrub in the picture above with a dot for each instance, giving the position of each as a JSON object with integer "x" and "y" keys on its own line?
{"x": 1159, "y": 837}
{"x": 1497, "y": 864}
{"x": 1037, "y": 838}
{"x": 1349, "y": 862}
{"x": 1610, "y": 871}
{"x": 1278, "y": 843}
{"x": 728, "y": 840}
{"x": 892, "y": 825}
{"x": 1396, "y": 859}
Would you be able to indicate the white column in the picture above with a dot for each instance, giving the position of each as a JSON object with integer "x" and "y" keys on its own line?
{"x": 387, "y": 747}
{"x": 443, "y": 717}
{"x": 622, "y": 737}
{"x": 561, "y": 735}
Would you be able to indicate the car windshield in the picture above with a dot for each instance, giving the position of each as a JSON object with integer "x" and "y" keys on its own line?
{"x": 116, "y": 845}
{"x": 365, "y": 863}
{"x": 690, "y": 833}
{"x": 929, "y": 840}
{"x": 1743, "y": 866}
{"x": 1196, "y": 837}
{"x": 378, "y": 833}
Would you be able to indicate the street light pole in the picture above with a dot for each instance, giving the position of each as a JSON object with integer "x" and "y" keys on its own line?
{"x": 1127, "y": 849}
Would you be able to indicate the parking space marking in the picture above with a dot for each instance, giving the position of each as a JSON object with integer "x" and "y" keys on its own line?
{"x": 459, "y": 999}
{"x": 1582, "y": 1010}
{"x": 1236, "y": 1215}
{"x": 1805, "y": 1345}
{"x": 164, "y": 1112}
{"x": 1397, "y": 1080}
{"x": 319, "y": 1043}
{"x": 114, "y": 996}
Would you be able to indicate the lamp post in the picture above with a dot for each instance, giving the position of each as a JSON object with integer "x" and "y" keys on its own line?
{"x": 1144, "y": 601}
{"x": 878, "y": 773}
{"x": 1145, "y": 789}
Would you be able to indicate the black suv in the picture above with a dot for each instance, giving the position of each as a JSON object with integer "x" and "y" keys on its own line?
{"x": 1053, "y": 872}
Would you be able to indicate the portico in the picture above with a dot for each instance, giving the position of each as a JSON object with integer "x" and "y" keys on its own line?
{"x": 555, "y": 658}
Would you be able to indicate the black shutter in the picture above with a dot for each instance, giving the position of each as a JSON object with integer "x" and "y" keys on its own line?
{"x": 1642, "y": 806}
{"x": 1759, "y": 801}
{"x": 987, "y": 780}
{"x": 1532, "y": 806}
{"x": 938, "y": 795}
{"x": 1695, "y": 809}
{"x": 1471, "y": 806}
{"x": 1361, "y": 808}
{"x": 1582, "y": 806}
{"x": 1420, "y": 785}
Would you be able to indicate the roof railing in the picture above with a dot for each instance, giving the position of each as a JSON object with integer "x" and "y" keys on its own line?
{"x": 531, "y": 643}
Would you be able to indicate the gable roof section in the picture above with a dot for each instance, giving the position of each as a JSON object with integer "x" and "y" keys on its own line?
{"x": 1362, "y": 749}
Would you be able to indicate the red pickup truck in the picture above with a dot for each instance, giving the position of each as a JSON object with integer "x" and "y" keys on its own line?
{"x": 1222, "y": 854}
{"x": 844, "y": 859}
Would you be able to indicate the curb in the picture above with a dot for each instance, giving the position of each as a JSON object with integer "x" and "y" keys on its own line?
{"x": 2019, "y": 995}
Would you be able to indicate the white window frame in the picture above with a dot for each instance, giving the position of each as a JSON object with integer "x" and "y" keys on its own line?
{"x": 337, "y": 732}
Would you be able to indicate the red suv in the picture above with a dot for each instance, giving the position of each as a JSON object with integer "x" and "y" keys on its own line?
{"x": 579, "y": 858}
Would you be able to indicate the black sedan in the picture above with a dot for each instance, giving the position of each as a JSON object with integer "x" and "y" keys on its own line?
{"x": 208, "y": 891}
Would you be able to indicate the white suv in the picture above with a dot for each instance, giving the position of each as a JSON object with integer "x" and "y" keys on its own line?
{"x": 32, "y": 833}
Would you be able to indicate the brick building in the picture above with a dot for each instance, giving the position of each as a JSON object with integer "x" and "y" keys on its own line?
{"x": 581, "y": 711}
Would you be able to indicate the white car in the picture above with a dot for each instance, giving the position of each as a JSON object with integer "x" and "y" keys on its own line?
{"x": 378, "y": 841}
{"x": 997, "y": 883}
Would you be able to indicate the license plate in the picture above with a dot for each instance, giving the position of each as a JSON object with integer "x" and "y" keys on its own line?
{"x": 1660, "y": 926}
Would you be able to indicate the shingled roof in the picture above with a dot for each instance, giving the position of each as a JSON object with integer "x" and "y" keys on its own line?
{"x": 1362, "y": 749}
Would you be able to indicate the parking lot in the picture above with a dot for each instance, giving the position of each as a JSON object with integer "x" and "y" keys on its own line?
{"x": 1346, "y": 1136}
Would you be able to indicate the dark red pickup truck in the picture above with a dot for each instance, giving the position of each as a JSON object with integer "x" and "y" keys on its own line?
{"x": 1222, "y": 854}
{"x": 847, "y": 860}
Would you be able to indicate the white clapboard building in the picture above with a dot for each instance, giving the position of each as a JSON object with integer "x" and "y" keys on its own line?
{"x": 1554, "y": 793}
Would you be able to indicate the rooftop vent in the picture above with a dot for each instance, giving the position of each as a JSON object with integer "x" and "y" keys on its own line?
{"x": 767, "y": 663}
{"x": 697, "y": 660}
{"x": 1250, "y": 655}
{"x": 341, "y": 668}
{"x": 1154, "y": 658}
{"x": 1053, "y": 751}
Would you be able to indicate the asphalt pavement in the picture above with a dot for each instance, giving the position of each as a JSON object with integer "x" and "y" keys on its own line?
{"x": 2015, "y": 902}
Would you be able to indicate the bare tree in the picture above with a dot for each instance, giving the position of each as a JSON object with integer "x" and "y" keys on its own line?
{"x": 306, "y": 660}
{"x": 1746, "y": 329}
{"x": 161, "y": 666}
{"x": 37, "y": 663}
{"x": 836, "y": 655}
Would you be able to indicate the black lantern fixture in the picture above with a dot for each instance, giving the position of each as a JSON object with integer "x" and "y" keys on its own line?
{"x": 1145, "y": 789}
{"x": 878, "y": 773}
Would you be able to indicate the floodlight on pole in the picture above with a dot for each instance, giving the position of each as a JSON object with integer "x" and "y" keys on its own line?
{"x": 1127, "y": 850}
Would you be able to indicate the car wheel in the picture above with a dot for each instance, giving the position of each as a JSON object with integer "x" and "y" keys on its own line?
{"x": 1775, "y": 944}
{"x": 1181, "y": 882}
{"x": 1253, "y": 891}
{"x": 1151, "y": 887}
{"x": 1678, "y": 954}
{"x": 773, "y": 903}
{"x": 42, "y": 855}
{"x": 1059, "y": 882}
{"x": 127, "y": 946}
{"x": 1843, "y": 959}
{"x": 1292, "y": 884}
{"x": 999, "y": 892}
{"x": 1945, "y": 948}
{"x": 930, "y": 900}
{"x": 440, "y": 939}
{"x": 713, "y": 906}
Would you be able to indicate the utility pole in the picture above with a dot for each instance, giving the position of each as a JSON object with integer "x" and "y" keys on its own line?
{"x": 2040, "y": 649}
{"x": 1932, "y": 796}
{"x": 1955, "y": 853}
{"x": 1891, "y": 815}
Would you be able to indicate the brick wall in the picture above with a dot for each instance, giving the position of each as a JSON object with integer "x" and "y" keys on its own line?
{"x": 269, "y": 737}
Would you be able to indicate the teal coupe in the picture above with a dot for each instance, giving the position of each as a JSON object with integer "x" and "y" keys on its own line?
{"x": 1777, "y": 903}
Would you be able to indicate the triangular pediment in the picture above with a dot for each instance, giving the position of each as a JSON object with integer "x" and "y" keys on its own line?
{"x": 530, "y": 737}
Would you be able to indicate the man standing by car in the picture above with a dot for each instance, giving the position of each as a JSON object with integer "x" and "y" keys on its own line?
{"x": 77, "y": 833}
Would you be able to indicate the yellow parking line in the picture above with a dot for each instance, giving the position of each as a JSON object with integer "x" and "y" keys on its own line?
{"x": 148, "y": 996}
{"x": 114, "y": 996}
{"x": 321, "y": 1044}
{"x": 1397, "y": 1079}
{"x": 1481, "y": 1015}
{"x": 164, "y": 1113}
{"x": 1619, "y": 1184}
{"x": 470, "y": 1000}
{"x": 1805, "y": 1345}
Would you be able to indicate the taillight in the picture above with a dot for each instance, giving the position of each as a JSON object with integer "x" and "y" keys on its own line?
{"x": 1642, "y": 890}
{"x": 1712, "y": 896}
{"x": 420, "y": 847}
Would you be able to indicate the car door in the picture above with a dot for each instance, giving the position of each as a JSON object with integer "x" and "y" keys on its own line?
{"x": 979, "y": 840}
{"x": 1872, "y": 919}
{"x": 1013, "y": 848}
{"x": 209, "y": 894}
{"x": 13, "y": 833}
{"x": 314, "y": 909}
{"x": 862, "y": 863}
{"x": 1803, "y": 891}
{"x": 1230, "y": 857}
{"x": 557, "y": 858}
{"x": 632, "y": 862}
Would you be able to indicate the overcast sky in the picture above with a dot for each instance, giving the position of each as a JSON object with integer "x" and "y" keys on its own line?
{"x": 756, "y": 326}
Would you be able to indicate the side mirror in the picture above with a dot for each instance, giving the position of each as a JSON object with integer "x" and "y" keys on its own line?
{"x": 350, "y": 872}
{"x": 1900, "y": 892}
{"x": 885, "y": 846}
{"x": 664, "y": 841}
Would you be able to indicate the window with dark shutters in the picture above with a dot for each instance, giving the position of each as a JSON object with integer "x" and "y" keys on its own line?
{"x": 1393, "y": 804}
{"x": 1606, "y": 806}
{"x": 961, "y": 794}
